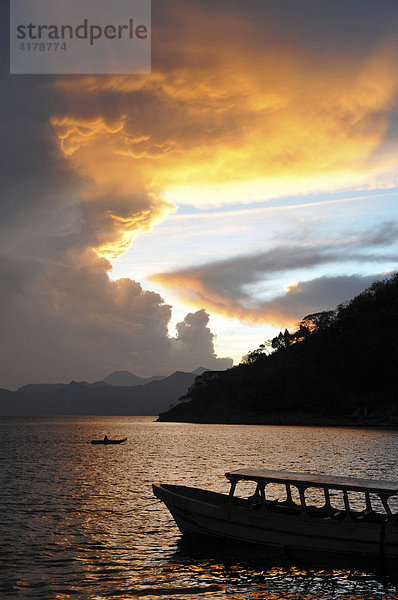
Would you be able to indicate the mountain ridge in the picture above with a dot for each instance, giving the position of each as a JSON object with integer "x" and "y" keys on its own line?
{"x": 98, "y": 398}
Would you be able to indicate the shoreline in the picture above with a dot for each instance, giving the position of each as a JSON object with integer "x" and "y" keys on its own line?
{"x": 290, "y": 419}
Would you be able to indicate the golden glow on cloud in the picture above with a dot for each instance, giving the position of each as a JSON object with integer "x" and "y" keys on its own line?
{"x": 226, "y": 123}
{"x": 75, "y": 133}
{"x": 118, "y": 200}
{"x": 193, "y": 292}
{"x": 125, "y": 228}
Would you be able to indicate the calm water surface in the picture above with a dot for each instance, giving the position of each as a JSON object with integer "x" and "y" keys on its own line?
{"x": 79, "y": 521}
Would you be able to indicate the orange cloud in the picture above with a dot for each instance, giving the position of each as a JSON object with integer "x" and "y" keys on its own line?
{"x": 118, "y": 200}
{"x": 223, "y": 119}
{"x": 194, "y": 292}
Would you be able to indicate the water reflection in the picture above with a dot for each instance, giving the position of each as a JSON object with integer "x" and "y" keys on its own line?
{"x": 257, "y": 573}
{"x": 80, "y": 521}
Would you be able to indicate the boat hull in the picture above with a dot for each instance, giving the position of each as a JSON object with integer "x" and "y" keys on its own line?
{"x": 108, "y": 442}
{"x": 206, "y": 513}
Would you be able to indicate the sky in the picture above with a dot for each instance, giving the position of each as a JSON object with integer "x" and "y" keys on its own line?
{"x": 162, "y": 222}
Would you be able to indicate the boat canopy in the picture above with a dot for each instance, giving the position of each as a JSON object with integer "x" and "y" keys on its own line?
{"x": 311, "y": 479}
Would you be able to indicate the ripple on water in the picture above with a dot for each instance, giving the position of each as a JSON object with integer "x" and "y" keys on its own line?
{"x": 80, "y": 521}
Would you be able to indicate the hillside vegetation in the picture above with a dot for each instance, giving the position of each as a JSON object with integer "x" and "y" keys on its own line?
{"x": 338, "y": 367}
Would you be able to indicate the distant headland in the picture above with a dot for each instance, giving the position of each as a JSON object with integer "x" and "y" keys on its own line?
{"x": 338, "y": 368}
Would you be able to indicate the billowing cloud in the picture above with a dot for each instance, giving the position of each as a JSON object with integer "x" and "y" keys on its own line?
{"x": 68, "y": 320}
{"x": 195, "y": 338}
{"x": 226, "y": 286}
{"x": 242, "y": 105}
{"x": 247, "y": 101}
{"x": 62, "y": 317}
{"x": 118, "y": 200}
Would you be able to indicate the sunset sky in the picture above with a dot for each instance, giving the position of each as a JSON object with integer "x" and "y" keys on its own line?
{"x": 179, "y": 219}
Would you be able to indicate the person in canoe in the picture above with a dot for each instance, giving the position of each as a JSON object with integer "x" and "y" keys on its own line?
{"x": 105, "y": 438}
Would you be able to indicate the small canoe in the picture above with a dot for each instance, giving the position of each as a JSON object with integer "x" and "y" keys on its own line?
{"x": 107, "y": 442}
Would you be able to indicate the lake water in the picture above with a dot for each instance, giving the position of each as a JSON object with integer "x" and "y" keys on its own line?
{"x": 80, "y": 521}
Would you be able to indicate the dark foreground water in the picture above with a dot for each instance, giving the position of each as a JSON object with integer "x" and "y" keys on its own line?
{"x": 79, "y": 521}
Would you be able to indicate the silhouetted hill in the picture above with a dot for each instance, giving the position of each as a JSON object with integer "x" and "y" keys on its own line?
{"x": 82, "y": 398}
{"x": 127, "y": 379}
{"x": 339, "y": 367}
{"x": 200, "y": 371}
{"x": 54, "y": 387}
{"x": 40, "y": 387}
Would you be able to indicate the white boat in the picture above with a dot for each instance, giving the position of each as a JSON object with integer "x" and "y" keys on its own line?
{"x": 365, "y": 523}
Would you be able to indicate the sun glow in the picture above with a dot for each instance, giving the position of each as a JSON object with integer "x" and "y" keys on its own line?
{"x": 291, "y": 286}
